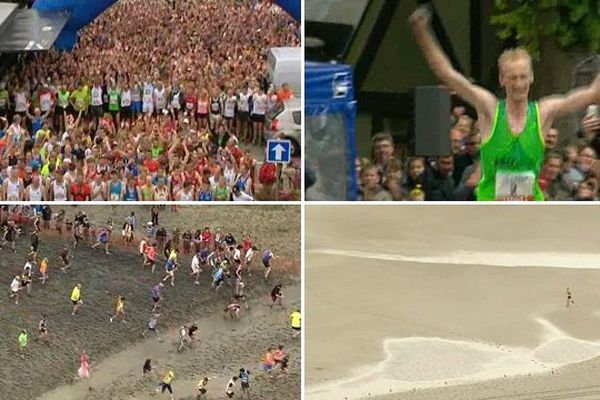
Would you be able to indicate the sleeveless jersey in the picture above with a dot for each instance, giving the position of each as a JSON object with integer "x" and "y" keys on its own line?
{"x": 259, "y": 104}
{"x": 60, "y": 191}
{"x": 96, "y": 96}
{"x": 131, "y": 195}
{"x": 45, "y": 102}
{"x": 148, "y": 90}
{"x": 229, "y": 108}
{"x": 243, "y": 102}
{"x": 97, "y": 189}
{"x": 202, "y": 107}
{"x": 12, "y": 190}
{"x": 510, "y": 165}
{"x": 126, "y": 98}
{"x": 35, "y": 194}
{"x": 215, "y": 106}
{"x": 20, "y": 102}
{"x": 160, "y": 98}
{"x": 187, "y": 196}
{"x": 175, "y": 100}
{"x": 115, "y": 190}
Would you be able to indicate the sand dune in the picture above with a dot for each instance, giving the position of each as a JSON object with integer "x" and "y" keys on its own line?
{"x": 459, "y": 315}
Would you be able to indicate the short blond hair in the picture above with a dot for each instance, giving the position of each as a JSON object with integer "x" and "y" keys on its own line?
{"x": 516, "y": 54}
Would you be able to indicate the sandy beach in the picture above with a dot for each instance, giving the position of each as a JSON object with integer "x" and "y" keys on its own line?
{"x": 117, "y": 350}
{"x": 452, "y": 303}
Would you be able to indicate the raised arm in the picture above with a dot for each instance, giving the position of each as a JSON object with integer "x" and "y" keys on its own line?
{"x": 481, "y": 99}
{"x": 557, "y": 106}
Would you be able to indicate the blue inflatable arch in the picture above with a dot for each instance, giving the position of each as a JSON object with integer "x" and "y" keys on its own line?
{"x": 85, "y": 11}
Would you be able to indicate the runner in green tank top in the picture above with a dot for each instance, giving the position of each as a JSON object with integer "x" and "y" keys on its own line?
{"x": 511, "y": 163}
{"x": 114, "y": 104}
{"x": 513, "y": 131}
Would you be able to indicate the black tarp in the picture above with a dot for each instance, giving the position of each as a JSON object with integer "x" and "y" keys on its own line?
{"x": 29, "y": 30}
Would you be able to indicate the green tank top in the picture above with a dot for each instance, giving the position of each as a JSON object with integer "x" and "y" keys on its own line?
{"x": 221, "y": 193}
{"x": 146, "y": 193}
{"x": 63, "y": 99}
{"x": 510, "y": 165}
{"x": 113, "y": 100}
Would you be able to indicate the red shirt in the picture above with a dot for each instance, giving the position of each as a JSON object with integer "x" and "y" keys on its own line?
{"x": 151, "y": 165}
{"x": 237, "y": 153}
{"x": 151, "y": 253}
{"x": 190, "y": 102}
{"x": 247, "y": 244}
{"x": 206, "y": 236}
{"x": 80, "y": 192}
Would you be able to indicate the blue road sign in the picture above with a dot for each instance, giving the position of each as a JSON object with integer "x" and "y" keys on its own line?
{"x": 279, "y": 151}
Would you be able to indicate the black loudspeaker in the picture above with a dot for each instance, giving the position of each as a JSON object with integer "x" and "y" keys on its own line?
{"x": 433, "y": 120}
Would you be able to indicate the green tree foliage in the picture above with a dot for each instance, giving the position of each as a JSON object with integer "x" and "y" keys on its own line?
{"x": 574, "y": 23}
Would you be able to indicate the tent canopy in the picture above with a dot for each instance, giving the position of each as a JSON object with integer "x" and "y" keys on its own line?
{"x": 82, "y": 12}
{"x": 29, "y": 30}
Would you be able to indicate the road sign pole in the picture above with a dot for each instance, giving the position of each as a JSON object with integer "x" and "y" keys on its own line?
{"x": 278, "y": 182}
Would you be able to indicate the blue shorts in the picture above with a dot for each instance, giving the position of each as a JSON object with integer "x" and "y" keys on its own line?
{"x": 103, "y": 240}
{"x": 136, "y": 107}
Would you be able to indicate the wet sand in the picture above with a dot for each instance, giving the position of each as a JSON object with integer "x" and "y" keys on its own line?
{"x": 449, "y": 311}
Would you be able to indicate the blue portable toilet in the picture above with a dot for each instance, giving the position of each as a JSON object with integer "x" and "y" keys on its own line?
{"x": 330, "y": 142}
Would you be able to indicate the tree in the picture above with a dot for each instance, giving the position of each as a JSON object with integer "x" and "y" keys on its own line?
{"x": 574, "y": 24}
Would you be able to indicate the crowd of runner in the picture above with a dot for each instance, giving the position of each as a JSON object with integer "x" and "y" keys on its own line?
{"x": 154, "y": 103}
{"x": 571, "y": 170}
{"x": 227, "y": 262}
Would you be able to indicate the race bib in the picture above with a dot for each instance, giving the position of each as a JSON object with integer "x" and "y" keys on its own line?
{"x": 515, "y": 186}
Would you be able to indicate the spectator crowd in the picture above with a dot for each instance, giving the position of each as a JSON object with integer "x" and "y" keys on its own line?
{"x": 158, "y": 101}
{"x": 571, "y": 170}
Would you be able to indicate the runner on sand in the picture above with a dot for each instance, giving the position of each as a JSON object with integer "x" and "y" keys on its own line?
{"x": 150, "y": 256}
{"x": 76, "y": 298}
{"x": 26, "y": 277}
{"x": 43, "y": 329}
{"x": 230, "y": 385}
{"x": 84, "y": 369}
{"x": 23, "y": 340}
{"x": 248, "y": 259}
{"x": 234, "y": 309}
{"x": 152, "y": 324}
{"x": 15, "y": 288}
{"x": 165, "y": 384}
{"x": 44, "y": 270}
{"x": 170, "y": 267}
{"x": 195, "y": 266}
{"x": 200, "y": 389}
{"x": 239, "y": 294}
{"x": 296, "y": 322}
{"x": 147, "y": 368}
{"x": 119, "y": 309}
{"x": 155, "y": 294}
{"x": 64, "y": 259}
{"x": 102, "y": 240}
{"x": 570, "y": 297}
{"x": 276, "y": 296}
{"x": 143, "y": 249}
{"x": 266, "y": 259}
{"x": 268, "y": 361}
{"x": 245, "y": 379}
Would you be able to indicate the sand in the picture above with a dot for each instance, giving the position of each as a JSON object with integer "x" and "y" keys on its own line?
{"x": 117, "y": 349}
{"x": 451, "y": 302}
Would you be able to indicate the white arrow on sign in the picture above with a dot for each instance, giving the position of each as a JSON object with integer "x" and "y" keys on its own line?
{"x": 279, "y": 150}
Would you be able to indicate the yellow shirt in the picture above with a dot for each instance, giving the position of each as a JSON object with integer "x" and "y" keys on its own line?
{"x": 169, "y": 377}
{"x": 75, "y": 294}
{"x": 120, "y": 305}
{"x": 173, "y": 255}
{"x": 296, "y": 319}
